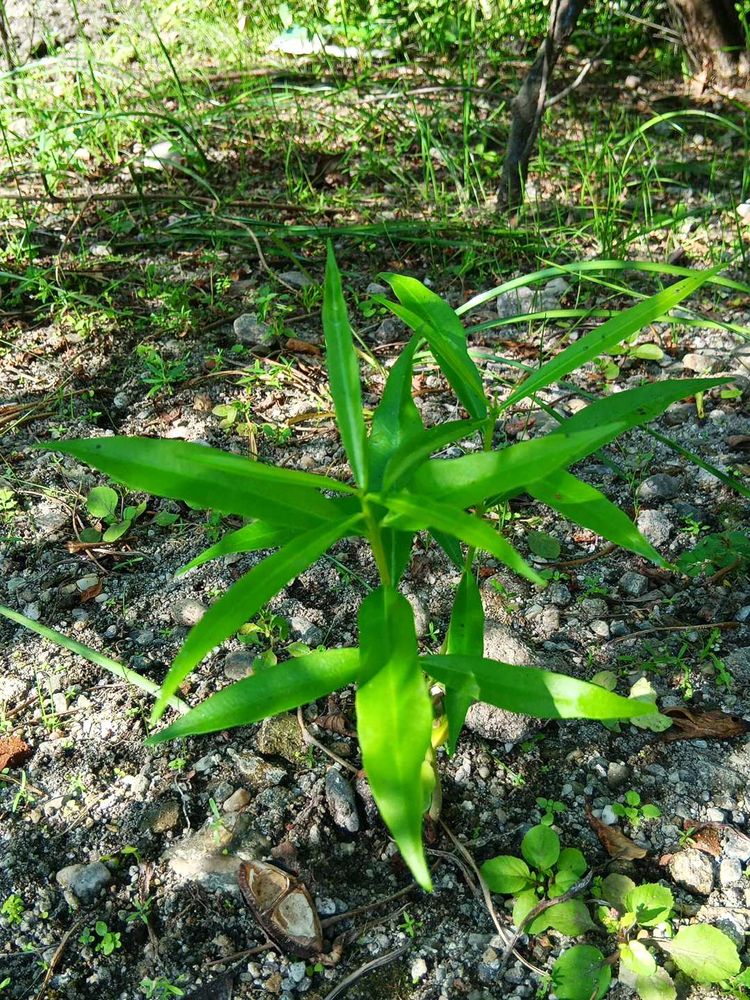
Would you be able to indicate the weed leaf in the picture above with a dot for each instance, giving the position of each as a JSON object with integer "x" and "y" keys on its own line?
{"x": 465, "y": 635}
{"x": 581, "y": 973}
{"x": 704, "y": 953}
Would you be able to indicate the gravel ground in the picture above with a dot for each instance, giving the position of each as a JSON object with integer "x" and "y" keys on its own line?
{"x": 93, "y": 827}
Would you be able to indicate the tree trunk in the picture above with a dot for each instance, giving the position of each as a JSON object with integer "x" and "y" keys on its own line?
{"x": 527, "y": 107}
{"x": 713, "y": 38}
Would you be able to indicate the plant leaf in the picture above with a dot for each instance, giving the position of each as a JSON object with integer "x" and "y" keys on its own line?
{"x": 585, "y": 505}
{"x": 246, "y": 597}
{"x": 541, "y": 847}
{"x": 530, "y": 691}
{"x": 570, "y": 918}
{"x": 657, "y": 986}
{"x": 451, "y": 546}
{"x": 651, "y": 903}
{"x": 416, "y": 512}
{"x": 703, "y": 953}
{"x": 607, "y": 335}
{"x": 636, "y": 958}
{"x": 250, "y": 538}
{"x": 506, "y": 874}
{"x": 397, "y": 545}
{"x": 432, "y": 318}
{"x": 394, "y": 720}
{"x": 343, "y": 371}
{"x": 208, "y": 478}
{"x": 465, "y": 635}
{"x": 615, "y": 888}
{"x": 581, "y": 973}
{"x": 417, "y": 448}
{"x": 102, "y": 502}
{"x": 396, "y": 416}
{"x": 473, "y": 478}
{"x": 278, "y": 689}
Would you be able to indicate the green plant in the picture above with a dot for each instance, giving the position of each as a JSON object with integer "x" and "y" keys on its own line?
{"x": 160, "y": 374}
{"x": 409, "y": 925}
{"x": 216, "y": 823}
{"x": 108, "y": 942}
{"x": 13, "y": 908}
{"x": 549, "y": 808}
{"x": 141, "y": 910}
{"x": 633, "y": 810}
{"x": 103, "y": 503}
{"x": 399, "y": 490}
{"x": 160, "y": 989}
{"x": 724, "y": 551}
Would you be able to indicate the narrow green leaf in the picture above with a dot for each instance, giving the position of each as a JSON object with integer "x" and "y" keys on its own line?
{"x": 277, "y": 689}
{"x": 250, "y": 538}
{"x": 92, "y": 655}
{"x": 396, "y": 416}
{"x": 703, "y": 953}
{"x": 419, "y": 512}
{"x": 208, "y": 478}
{"x": 451, "y": 546}
{"x": 398, "y": 546}
{"x": 246, "y": 597}
{"x": 581, "y": 973}
{"x": 394, "y": 720}
{"x": 587, "y": 506}
{"x": 471, "y": 479}
{"x": 465, "y": 635}
{"x": 531, "y": 691}
{"x": 607, "y": 335}
{"x": 506, "y": 874}
{"x": 541, "y": 847}
{"x": 432, "y": 318}
{"x": 343, "y": 372}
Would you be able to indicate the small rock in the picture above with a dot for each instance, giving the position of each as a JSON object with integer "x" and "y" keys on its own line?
{"x": 618, "y": 774}
{"x": 388, "y": 332}
{"x": 633, "y": 584}
{"x": 250, "y": 330}
{"x": 418, "y": 969}
{"x": 375, "y": 289}
{"x": 608, "y": 816}
{"x": 162, "y": 816}
{"x": 678, "y": 414}
{"x": 305, "y": 630}
{"x": 280, "y": 736}
{"x": 297, "y": 971}
{"x": 559, "y": 595}
{"x": 295, "y": 278}
{"x": 84, "y": 882}
{"x": 32, "y": 611}
{"x": 258, "y": 773}
{"x": 697, "y": 363}
{"x": 593, "y": 607}
{"x": 600, "y": 628}
{"x": 658, "y": 488}
{"x": 632, "y": 81}
{"x": 236, "y": 801}
{"x": 87, "y": 582}
{"x": 341, "y": 802}
{"x": 421, "y": 614}
{"x": 238, "y": 664}
{"x": 730, "y": 871}
{"x": 693, "y": 870}
{"x": 188, "y": 611}
{"x": 655, "y": 526}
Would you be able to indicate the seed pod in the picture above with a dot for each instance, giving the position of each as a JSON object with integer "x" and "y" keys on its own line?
{"x": 283, "y": 907}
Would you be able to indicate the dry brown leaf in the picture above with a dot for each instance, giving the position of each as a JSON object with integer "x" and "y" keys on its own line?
{"x": 705, "y": 838}
{"x": 92, "y": 592}
{"x": 615, "y": 843}
{"x": 13, "y": 751}
{"x": 301, "y": 346}
{"x": 702, "y": 725}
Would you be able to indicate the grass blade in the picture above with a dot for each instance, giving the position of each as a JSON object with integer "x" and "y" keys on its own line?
{"x": 607, "y": 335}
{"x": 295, "y": 682}
{"x": 93, "y": 656}
{"x": 396, "y": 416}
{"x": 394, "y": 720}
{"x": 343, "y": 372}
{"x": 209, "y": 478}
{"x": 246, "y": 597}
{"x": 250, "y": 538}
{"x": 417, "y": 448}
{"x": 540, "y": 693}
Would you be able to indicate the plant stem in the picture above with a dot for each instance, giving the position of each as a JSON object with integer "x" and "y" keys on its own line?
{"x": 375, "y": 538}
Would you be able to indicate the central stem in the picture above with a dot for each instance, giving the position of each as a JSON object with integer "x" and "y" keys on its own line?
{"x": 375, "y": 537}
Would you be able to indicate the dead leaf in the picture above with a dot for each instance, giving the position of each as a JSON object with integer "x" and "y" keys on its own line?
{"x": 705, "y": 838}
{"x": 92, "y": 592}
{"x": 615, "y": 843}
{"x": 703, "y": 725}
{"x": 301, "y": 346}
{"x": 13, "y": 751}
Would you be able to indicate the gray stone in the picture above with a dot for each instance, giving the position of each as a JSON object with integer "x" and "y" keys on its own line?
{"x": 258, "y": 773}
{"x": 84, "y": 882}
{"x": 87, "y": 582}
{"x": 655, "y": 525}
{"x": 238, "y": 664}
{"x": 187, "y": 611}
{"x": 162, "y": 816}
{"x": 559, "y": 595}
{"x": 280, "y": 736}
{"x": 736, "y": 845}
{"x": 375, "y": 289}
{"x": 678, "y": 414}
{"x": 618, "y": 774}
{"x": 388, "y": 332}
{"x": 297, "y": 971}
{"x": 212, "y": 854}
{"x": 693, "y": 870}
{"x": 695, "y": 362}
{"x": 295, "y": 278}
{"x": 306, "y": 630}
{"x": 236, "y": 801}
{"x": 658, "y": 488}
{"x": 600, "y": 629}
{"x": 608, "y": 816}
{"x": 730, "y": 871}
{"x": 738, "y": 662}
{"x": 593, "y": 607}
{"x": 341, "y": 802}
{"x": 250, "y": 330}
{"x": 633, "y": 584}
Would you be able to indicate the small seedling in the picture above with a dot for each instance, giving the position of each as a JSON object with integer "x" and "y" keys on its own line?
{"x": 723, "y": 552}
{"x": 160, "y": 989}
{"x": 634, "y": 811}
{"x": 13, "y": 909}
{"x": 550, "y": 808}
{"x": 141, "y": 911}
{"x": 160, "y": 374}
{"x": 216, "y": 822}
{"x": 103, "y": 505}
{"x": 409, "y": 925}
{"x": 108, "y": 942}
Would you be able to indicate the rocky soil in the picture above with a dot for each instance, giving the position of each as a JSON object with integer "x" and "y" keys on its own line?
{"x": 95, "y": 828}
